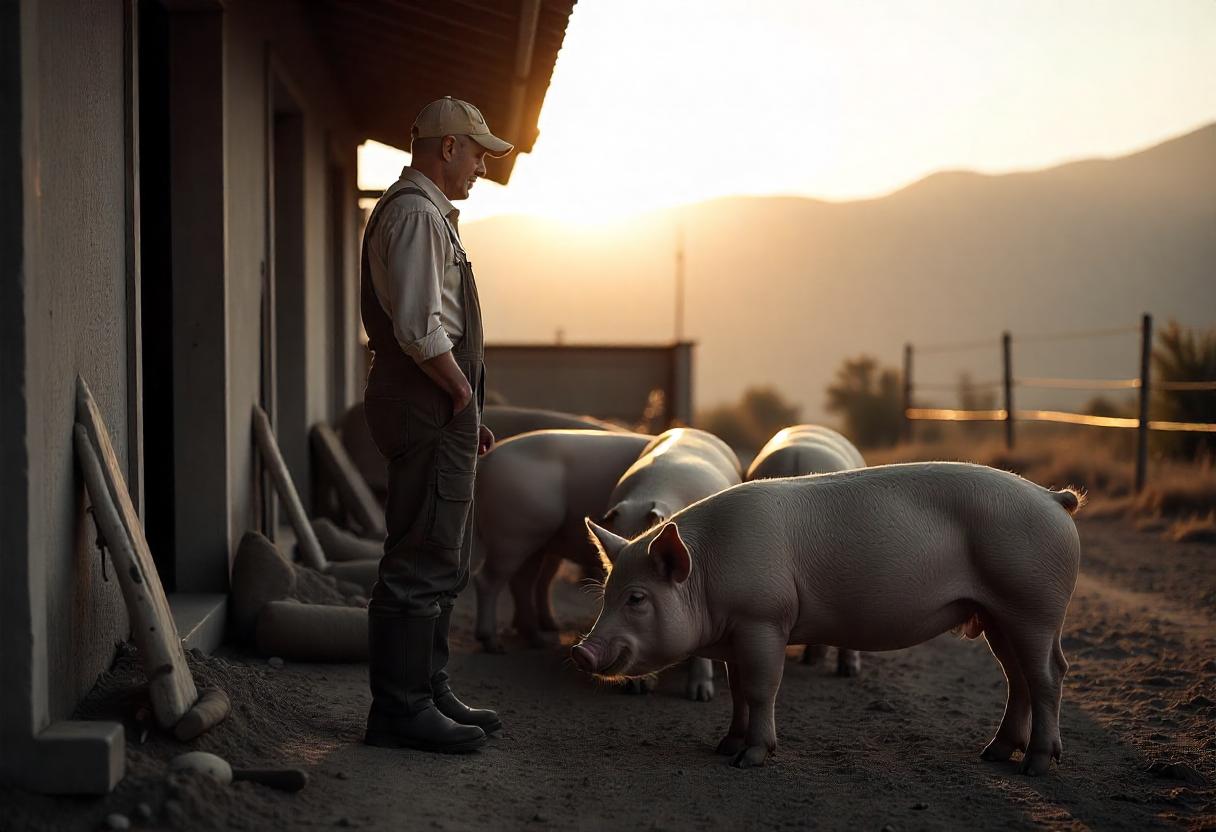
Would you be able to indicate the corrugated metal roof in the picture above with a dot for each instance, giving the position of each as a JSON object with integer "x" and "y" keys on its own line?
{"x": 395, "y": 56}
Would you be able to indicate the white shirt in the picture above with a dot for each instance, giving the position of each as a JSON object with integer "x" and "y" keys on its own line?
{"x": 415, "y": 267}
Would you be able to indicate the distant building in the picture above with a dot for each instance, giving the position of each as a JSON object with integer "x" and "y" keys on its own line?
{"x": 178, "y": 225}
{"x": 648, "y": 385}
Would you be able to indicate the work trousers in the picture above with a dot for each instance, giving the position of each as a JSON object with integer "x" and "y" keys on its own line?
{"x": 432, "y": 461}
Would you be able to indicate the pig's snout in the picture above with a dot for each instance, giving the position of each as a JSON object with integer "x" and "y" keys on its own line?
{"x": 585, "y": 656}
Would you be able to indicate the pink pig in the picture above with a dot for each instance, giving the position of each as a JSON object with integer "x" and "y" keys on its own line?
{"x": 873, "y": 559}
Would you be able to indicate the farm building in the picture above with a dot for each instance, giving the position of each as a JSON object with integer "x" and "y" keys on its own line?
{"x": 179, "y": 227}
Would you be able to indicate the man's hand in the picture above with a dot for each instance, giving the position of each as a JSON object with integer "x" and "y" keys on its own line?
{"x": 485, "y": 440}
{"x": 445, "y": 372}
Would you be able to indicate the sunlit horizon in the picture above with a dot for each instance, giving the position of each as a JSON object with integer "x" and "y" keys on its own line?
{"x": 656, "y": 105}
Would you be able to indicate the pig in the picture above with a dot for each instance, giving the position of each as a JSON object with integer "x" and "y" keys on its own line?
{"x": 797, "y": 451}
{"x": 532, "y": 492}
{"x": 872, "y": 559}
{"x": 804, "y": 449}
{"x": 507, "y": 421}
{"x": 679, "y": 467}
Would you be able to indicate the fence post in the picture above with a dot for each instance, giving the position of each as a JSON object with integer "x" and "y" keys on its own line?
{"x": 907, "y": 423}
{"x": 1146, "y": 356}
{"x": 1007, "y": 349}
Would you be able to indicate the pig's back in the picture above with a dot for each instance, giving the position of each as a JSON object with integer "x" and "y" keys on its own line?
{"x": 884, "y": 545}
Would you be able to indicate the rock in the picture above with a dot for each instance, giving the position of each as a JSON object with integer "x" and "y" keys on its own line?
{"x": 342, "y": 775}
{"x": 143, "y": 811}
{"x": 882, "y": 706}
{"x": 1181, "y": 772}
{"x": 275, "y": 662}
{"x": 117, "y": 821}
{"x": 1197, "y": 702}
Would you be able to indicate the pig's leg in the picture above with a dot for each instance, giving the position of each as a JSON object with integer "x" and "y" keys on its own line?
{"x": 736, "y": 736}
{"x": 541, "y": 589}
{"x": 1014, "y": 732}
{"x": 489, "y": 583}
{"x": 814, "y": 653}
{"x": 761, "y": 659}
{"x": 1042, "y": 662}
{"x": 523, "y": 592}
{"x": 700, "y": 686}
{"x": 848, "y": 662}
{"x": 641, "y": 685}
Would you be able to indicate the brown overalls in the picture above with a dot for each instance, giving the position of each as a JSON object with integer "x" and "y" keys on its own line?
{"x": 431, "y": 452}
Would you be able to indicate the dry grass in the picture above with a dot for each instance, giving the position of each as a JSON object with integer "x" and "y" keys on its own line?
{"x": 1178, "y": 500}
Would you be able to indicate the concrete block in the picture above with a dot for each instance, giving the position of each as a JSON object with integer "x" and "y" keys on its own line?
{"x": 200, "y": 618}
{"x": 72, "y": 757}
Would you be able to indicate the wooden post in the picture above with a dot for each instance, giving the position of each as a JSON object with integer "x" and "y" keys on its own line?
{"x": 1146, "y": 356}
{"x": 907, "y": 423}
{"x": 1007, "y": 349}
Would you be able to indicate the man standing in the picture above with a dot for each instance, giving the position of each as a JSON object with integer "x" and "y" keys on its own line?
{"x": 423, "y": 403}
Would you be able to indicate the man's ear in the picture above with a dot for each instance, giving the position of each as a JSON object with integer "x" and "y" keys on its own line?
{"x": 606, "y": 543}
{"x": 447, "y": 147}
{"x": 670, "y": 555}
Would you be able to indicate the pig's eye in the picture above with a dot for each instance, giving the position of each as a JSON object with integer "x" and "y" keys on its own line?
{"x": 636, "y": 598}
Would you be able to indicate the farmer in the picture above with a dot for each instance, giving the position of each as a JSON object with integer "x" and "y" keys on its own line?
{"x": 423, "y": 402}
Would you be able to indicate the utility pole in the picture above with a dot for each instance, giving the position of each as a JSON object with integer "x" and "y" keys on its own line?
{"x": 680, "y": 285}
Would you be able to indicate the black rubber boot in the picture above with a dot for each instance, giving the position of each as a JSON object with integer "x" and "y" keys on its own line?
{"x": 445, "y": 700}
{"x": 403, "y": 713}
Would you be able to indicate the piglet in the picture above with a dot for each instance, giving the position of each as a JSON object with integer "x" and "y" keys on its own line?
{"x": 873, "y": 559}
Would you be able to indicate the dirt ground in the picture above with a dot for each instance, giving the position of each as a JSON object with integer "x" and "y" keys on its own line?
{"x": 896, "y": 748}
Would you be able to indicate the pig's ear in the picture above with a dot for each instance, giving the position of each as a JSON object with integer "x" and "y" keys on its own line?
{"x": 608, "y": 544}
{"x": 656, "y": 515}
{"x": 670, "y": 555}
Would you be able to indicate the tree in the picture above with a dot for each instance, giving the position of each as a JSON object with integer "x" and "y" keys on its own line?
{"x": 750, "y": 423}
{"x": 869, "y": 400}
{"x": 974, "y": 397}
{"x": 1182, "y": 354}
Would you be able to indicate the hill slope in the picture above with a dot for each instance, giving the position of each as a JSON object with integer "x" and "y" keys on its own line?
{"x": 781, "y": 289}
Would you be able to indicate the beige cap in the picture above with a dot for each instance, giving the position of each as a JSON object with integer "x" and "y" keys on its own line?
{"x": 452, "y": 117}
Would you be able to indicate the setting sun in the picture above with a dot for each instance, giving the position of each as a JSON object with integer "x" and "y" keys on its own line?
{"x": 660, "y": 104}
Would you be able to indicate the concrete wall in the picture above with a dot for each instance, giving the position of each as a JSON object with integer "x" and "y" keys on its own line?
{"x": 75, "y": 322}
{"x": 275, "y": 35}
{"x": 607, "y": 382}
{"x": 64, "y": 310}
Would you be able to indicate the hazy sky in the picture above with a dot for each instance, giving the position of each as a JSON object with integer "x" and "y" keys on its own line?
{"x": 660, "y": 102}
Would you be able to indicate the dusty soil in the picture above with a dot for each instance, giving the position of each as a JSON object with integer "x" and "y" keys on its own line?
{"x": 896, "y": 748}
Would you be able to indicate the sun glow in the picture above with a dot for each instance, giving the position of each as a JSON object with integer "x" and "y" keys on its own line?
{"x": 659, "y": 104}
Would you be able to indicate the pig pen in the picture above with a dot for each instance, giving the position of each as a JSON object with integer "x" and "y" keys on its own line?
{"x": 896, "y": 748}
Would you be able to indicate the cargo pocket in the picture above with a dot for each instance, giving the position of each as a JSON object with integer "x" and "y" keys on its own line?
{"x": 453, "y": 499}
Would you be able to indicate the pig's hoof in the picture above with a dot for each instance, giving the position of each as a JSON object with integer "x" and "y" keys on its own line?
{"x": 750, "y": 757}
{"x": 700, "y": 691}
{"x": 848, "y": 670}
{"x": 730, "y": 746}
{"x": 814, "y": 654}
{"x": 642, "y": 685}
{"x": 543, "y": 639}
{"x": 1035, "y": 763}
{"x": 493, "y": 645}
{"x": 998, "y": 751}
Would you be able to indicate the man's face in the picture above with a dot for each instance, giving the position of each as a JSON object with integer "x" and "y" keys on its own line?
{"x": 466, "y": 161}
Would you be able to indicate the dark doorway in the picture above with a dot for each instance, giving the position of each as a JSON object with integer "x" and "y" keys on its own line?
{"x": 290, "y": 285}
{"x": 156, "y": 287}
{"x": 341, "y": 325}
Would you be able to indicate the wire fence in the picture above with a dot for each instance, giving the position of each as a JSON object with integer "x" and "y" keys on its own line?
{"x": 1010, "y": 416}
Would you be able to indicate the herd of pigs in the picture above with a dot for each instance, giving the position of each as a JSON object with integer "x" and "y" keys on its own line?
{"x": 700, "y": 560}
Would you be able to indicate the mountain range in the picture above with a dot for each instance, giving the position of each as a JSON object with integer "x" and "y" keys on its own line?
{"x": 781, "y": 289}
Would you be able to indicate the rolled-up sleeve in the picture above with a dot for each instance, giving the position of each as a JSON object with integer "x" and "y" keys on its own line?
{"x": 415, "y": 257}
